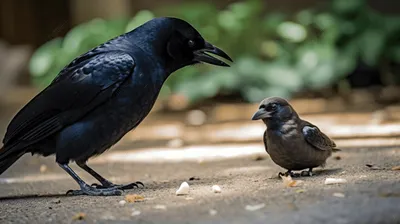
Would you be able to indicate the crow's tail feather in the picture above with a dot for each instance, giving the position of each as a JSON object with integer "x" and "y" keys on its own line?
{"x": 7, "y": 160}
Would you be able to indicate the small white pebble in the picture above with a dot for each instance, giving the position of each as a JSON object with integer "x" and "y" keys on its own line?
{"x": 183, "y": 189}
{"x": 329, "y": 181}
{"x": 189, "y": 198}
{"x": 213, "y": 212}
{"x": 255, "y": 207}
{"x": 216, "y": 189}
{"x": 339, "y": 195}
{"x": 160, "y": 207}
{"x": 122, "y": 202}
{"x": 135, "y": 213}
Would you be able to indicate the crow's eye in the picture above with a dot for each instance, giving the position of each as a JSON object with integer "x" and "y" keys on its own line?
{"x": 191, "y": 43}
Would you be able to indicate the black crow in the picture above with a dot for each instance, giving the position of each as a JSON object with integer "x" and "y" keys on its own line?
{"x": 292, "y": 143}
{"x": 103, "y": 94}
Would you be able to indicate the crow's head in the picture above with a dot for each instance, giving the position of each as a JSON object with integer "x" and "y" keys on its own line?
{"x": 180, "y": 44}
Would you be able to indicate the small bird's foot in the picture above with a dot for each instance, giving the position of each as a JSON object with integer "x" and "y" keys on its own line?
{"x": 289, "y": 173}
{"x": 92, "y": 191}
{"x": 120, "y": 187}
{"x": 306, "y": 173}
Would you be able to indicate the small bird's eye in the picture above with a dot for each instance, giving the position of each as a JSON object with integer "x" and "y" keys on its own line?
{"x": 191, "y": 43}
{"x": 271, "y": 107}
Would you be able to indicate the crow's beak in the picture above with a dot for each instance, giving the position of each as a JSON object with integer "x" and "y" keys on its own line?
{"x": 202, "y": 56}
{"x": 261, "y": 114}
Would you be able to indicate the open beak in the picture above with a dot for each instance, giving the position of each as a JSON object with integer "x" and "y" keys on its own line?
{"x": 202, "y": 56}
{"x": 261, "y": 114}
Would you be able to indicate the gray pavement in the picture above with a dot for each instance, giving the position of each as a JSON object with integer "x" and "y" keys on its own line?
{"x": 370, "y": 196}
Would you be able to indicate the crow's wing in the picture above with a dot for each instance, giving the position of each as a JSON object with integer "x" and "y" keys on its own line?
{"x": 86, "y": 83}
{"x": 316, "y": 138}
{"x": 265, "y": 140}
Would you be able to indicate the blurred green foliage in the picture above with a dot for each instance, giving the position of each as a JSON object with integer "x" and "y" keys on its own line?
{"x": 274, "y": 53}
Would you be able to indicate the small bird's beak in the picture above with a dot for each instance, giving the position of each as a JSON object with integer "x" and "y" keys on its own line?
{"x": 202, "y": 56}
{"x": 260, "y": 114}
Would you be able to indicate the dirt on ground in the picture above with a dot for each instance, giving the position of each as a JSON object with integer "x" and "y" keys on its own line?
{"x": 251, "y": 192}
{"x": 159, "y": 154}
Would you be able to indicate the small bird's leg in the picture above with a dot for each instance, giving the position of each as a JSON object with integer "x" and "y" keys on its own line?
{"x": 104, "y": 182}
{"x": 288, "y": 173}
{"x": 307, "y": 173}
{"x": 85, "y": 188}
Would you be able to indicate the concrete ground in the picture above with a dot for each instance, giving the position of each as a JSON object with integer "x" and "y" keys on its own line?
{"x": 369, "y": 196}
{"x": 33, "y": 189}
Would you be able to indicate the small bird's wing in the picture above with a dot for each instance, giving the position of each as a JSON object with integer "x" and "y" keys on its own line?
{"x": 265, "y": 140}
{"x": 86, "y": 83}
{"x": 316, "y": 138}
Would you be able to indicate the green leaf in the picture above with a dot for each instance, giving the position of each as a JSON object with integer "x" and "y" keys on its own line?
{"x": 44, "y": 58}
{"x": 372, "y": 45}
{"x": 348, "y": 6}
{"x": 292, "y": 32}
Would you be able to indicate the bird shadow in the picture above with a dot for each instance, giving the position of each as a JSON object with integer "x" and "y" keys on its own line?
{"x": 31, "y": 196}
{"x": 316, "y": 173}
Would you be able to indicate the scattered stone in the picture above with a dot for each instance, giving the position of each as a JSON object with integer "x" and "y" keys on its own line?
{"x": 254, "y": 207}
{"x": 79, "y": 216}
{"x": 122, "y": 202}
{"x": 300, "y": 191}
{"x": 373, "y": 167}
{"x": 213, "y": 212}
{"x": 183, "y": 189}
{"x": 339, "y": 195}
{"x": 160, "y": 207}
{"x": 337, "y": 157}
{"x": 216, "y": 189}
{"x": 329, "y": 181}
{"x": 56, "y": 201}
{"x": 135, "y": 213}
{"x": 194, "y": 178}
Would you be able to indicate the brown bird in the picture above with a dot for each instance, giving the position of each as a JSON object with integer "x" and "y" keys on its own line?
{"x": 291, "y": 142}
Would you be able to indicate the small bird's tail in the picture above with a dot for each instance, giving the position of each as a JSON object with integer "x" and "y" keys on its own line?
{"x": 7, "y": 160}
{"x": 336, "y": 150}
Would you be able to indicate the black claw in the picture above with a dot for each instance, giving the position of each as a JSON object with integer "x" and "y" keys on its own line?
{"x": 120, "y": 187}
{"x": 139, "y": 183}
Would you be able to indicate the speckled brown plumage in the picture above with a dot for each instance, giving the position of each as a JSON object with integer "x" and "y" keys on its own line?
{"x": 291, "y": 142}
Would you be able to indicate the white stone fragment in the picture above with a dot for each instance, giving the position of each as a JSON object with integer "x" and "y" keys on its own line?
{"x": 122, "y": 202}
{"x": 329, "y": 181}
{"x": 213, "y": 212}
{"x": 339, "y": 195}
{"x": 255, "y": 207}
{"x": 183, "y": 189}
{"x": 216, "y": 189}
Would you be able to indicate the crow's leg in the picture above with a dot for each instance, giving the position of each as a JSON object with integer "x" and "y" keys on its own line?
{"x": 85, "y": 188}
{"x": 307, "y": 173}
{"x": 104, "y": 182}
